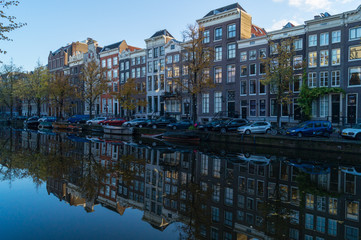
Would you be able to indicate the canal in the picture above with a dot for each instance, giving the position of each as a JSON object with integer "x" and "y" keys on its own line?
{"x": 65, "y": 186}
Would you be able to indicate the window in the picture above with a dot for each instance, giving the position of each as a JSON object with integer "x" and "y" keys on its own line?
{"x": 216, "y": 168}
{"x": 214, "y": 234}
{"x": 324, "y": 106}
{"x": 218, "y": 34}
{"x": 262, "y": 69}
{"x": 161, "y": 51}
{"x": 355, "y": 33}
{"x": 228, "y": 218}
{"x": 150, "y": 53}
{"x": 115, "y": 73}
{"x": 244, "y": 71}
{"x": 332, "y": 206}
{"x": 351, "y": 233}
{"x": 332, "y": 227}
{"x": 262, "y": 53}
{"x": 309, "y": 201}
{"x": 176, "y": 58}
{"x": 336, "y": 56}
{"x": 204, "y": 165}
{"x": 352, "y": 210}
{"x": 324, "y": 39}
{"x": 297, "y": 83}
{"x": 218, "y": 74}
{"x": 273, "y": 107}
{"x": 218, "y": 53}
{"x": 162, "y": 65}
{"x": 176, "y": 71}
{"x": 217, "y": 102}
{"x": 133, "y": 73}
{"x": 169, "y": 72}
{"x": 109, "y": 75}
{"x": 297, "y": 43}
{"x": 354, "y": 78}
{"x": 231, "y": 73}
{"x": 185, "y": 70}
{"x": 206, "y": 36}
{"x": 169, "y": 59}
{"x": 216, "y": 193}
{"x": 294, "y": 234}
{"x": 115, "y": 61}
{"x": 109, "y": 63}
{"x": 231, "y": 50}
{"x": 243, "y": 56}
{"x": 252, "y": 108}
{"x": 228, "y": 194}
{"x": 274, "y": 48}
{"x": 297, "y": 62}
{"x": 243, "y": 87}
{"x": 335, "y": 78}
{"x": 103, "y": 63}
{"x": 262, "y": 88}
{"x": 323, "y": 79}
{"x": 312, "y": 80}
{"x": 252, "y": 69}
{"x": 155, "y": 52}
{"x": 308, "y": 237}
{"x": 321, "y": 204}
{"x": 262, "y": 108}
{"x": 312, "y": 40}
{"x": 215, "y": 214}
{"x": 324, "y": 58}
{"x": 355, "y": 53}
{"x": 312, "y": 59}
{"x": 231, "y": 30}
{"x": 126, "y": 65}
{"x": 133, "y": 61}
{"x": 252, "y": 86}
{"x": 320, "y": 224}
{"x": 309, "y": 221}
{"x": 252, "y": 55}
{"x": 205, "y": 103}
{"x": 336, "y": 36}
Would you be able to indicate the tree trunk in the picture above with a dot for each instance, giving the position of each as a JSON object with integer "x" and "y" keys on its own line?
{"x": 194, "y": 108}
{"x": 90, "y": 109}
{"x": 279, "y": 115}
{"x": 38, "y": 106}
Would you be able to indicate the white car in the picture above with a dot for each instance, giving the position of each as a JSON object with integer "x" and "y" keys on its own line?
{"x": 354, "y": 132}
{"x": 96, "y": 120}
{"x": 255, "y": 127}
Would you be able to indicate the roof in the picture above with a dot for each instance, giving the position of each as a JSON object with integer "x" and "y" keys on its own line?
{"x": 257, "y": 31}
{"x": 111, "y": 46}
{"x": 132, "y": 48}
{"x": 162, "y": 32}
{"x": 224, "y": 9}
{"x": 288, "y": 25}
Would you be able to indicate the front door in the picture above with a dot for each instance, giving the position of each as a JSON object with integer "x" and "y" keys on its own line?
{"x": 335, "y": 108}
{"x": 116, "y": 109}
{"x": 244, "y": 112}
{"x": 351, "y": 108}
{"x": 231, "y": 109}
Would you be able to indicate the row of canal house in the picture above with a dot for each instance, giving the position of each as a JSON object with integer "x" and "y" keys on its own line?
{"x": 329, "y": 45}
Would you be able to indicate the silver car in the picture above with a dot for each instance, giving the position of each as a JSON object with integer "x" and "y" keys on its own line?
{"x": 255, "y": 127}
{"x": 96, "y": 120}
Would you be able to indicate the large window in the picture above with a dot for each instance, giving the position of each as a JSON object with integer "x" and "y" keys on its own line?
{"x": 354, "y": 78}
{"x": 231, "y": 50}
{"x": 218, "y": 53}
{"x": 262, "y": 107}
{"x": 323, "y": 79}
{"x": 218, "y": 34}
{"x": 243, "y": 56}
{"x": 244, "y": 71}
{"x": 252, "y": 69}
{"x": 332, "y": 206}
{"x": 324, "y": 39}
{"x": 297, "y": 83}
{"x": 215, "y": 214}
{"x": 355, "y": 53}
{"x": 206, "y": 36}
{"x": 218, "y": 74}
{"x": 298, "y": 44}
{"x": 231, "y": 30}
{"x": 231, "y": 73}
{"x": 336, "y": 56}
{"x": 324, "y": 106}
{"x": 262, "y": 53}
{"x": 355, "y": 33}
{"x": 312, "y": 79}
{"x": 243, "y": 87}
{"x": 228, "y": 194}
{"x": 252, "y": 54}
{"x": 324, "y": 58}
{"x": 335, "y": 78}
{"x": 351, "y": 233}
{"x": 309, "y": 221}
{"x": 312, "y": 59}
{"x": 217, "y": 102}
{"x": 312, "y": 40}
{"x": 352, "y": 210}
{"x": 336, "y": 36}
{"x": 252, "y": 86}
{"x": 320, "y": 224}
{"x": 332, "y": 227}
{"x": 252, "y": 108}
{"x": 297, "y": 62}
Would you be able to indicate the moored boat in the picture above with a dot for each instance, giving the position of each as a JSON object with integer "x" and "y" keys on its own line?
{"x": 45, "y": 125}
{"x": 118, "y": 130}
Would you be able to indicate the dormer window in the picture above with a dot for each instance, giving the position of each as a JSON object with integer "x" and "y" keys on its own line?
{"x": 172, "y": 47}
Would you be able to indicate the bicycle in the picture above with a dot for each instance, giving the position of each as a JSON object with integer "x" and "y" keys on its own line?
{"x": 278, "y": 131}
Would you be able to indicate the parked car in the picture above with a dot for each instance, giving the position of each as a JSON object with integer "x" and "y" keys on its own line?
{"x": 47, "y": 119}
{"x": 114, "y": 122}
{"x": 138, "y": 122}
{"x": 354, "y": 132}
{"x": 311, "y": 128}
{"x": 78, "y": 119}
{"x": 230, "y": 125}
{"x": 96, "y": 120}
{"x": 209, "y": 126}
{"x": 255, "y": 127}
{"x": 161, "y": 122}
{"x": 185, "y": 124}
{"x": 32, "y": 122}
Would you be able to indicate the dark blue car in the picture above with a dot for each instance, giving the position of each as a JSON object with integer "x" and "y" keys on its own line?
{"x": 311, "y": 128}
{"x": 78, "y": 119}
{"x": 185, "y": 124}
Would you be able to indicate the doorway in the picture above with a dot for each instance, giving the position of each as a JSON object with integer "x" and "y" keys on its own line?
{"x": 335, "y": 108}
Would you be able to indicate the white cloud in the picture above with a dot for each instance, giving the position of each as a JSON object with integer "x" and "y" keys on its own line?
{"x": 279, "y": 24}
{"x": 311, "y": 5}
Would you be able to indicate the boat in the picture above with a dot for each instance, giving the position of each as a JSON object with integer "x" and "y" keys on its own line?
{"x": 31, "y": 124}
{"x": 65, "y": 126}
{"x": 45, "y": 125}
{"x": 118, "y": 130}
{"x": 181, "y": 136}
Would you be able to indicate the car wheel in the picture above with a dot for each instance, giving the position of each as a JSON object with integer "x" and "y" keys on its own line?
{"x": 154, "y": 126}
{"x": 358, "y": 136}
{"x": 299, "y": 135}
{"x": 174, "y": 127}
{"x": 247, "y": 132}
{"x": 140, "y": 126}
{"x": 268, "y": 131}
{"x": 223, "y": 130}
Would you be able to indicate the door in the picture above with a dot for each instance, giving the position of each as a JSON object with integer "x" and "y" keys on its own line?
{"x": 351, "y": 108}
{"x": 335, "y": 108}
{"x": 231, "y": 109}
{"x": 244, "y": 112}
{"x": 116, "y": 109}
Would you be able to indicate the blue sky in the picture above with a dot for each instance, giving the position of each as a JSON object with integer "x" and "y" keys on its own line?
{"x": 54, "y": 23}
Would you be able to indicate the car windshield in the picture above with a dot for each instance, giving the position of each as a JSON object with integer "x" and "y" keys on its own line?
{"x": 302, "y": 125}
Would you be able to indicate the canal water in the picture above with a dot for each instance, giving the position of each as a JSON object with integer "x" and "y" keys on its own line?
{"x": 65, "y": 186}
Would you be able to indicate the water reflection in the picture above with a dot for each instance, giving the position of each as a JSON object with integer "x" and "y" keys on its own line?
{"x": 216, "y": 192}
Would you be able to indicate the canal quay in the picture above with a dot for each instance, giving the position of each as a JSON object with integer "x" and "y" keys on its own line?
{"x": 92, "y": 186}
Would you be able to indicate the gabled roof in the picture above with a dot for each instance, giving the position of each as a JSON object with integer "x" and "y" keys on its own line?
{"x": 224, "y": 9}
{"x": 257, "y": 31}
{"x": 111, "y": 46}
{"x": 288, "y": 25}
{"x": 162, "y": 32}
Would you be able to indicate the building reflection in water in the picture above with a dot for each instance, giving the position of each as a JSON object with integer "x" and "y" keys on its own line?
{"x": 214, "y": 195}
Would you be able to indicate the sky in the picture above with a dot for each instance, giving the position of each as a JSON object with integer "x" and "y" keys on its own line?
{"x": 55, "y": 23}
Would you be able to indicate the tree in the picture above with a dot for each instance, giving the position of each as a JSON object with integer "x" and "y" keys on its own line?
{"x": 93, "y": 83}
{"x": 199, "y": 59}
{"x": 9, "y": 77}
{"x": 60, "y": 91}
{"x": 23, "y": 91}
{"x": 129, "y": 96}
{"x": 279, "y": 73}
{"x": 8, "y": 23}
